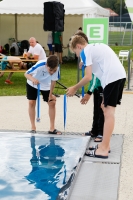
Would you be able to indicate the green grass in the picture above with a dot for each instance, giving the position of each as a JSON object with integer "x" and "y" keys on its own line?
{"x": 118, "y": 48}
{"x": 68, "y": 78}
{"x": 122, "y": 38}
{"x": 16, "y": 89}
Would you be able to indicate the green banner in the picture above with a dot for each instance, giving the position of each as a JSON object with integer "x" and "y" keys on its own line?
{"x": 96, "y": 29}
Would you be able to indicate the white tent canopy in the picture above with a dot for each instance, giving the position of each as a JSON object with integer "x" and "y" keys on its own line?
{"x": 36, "y": 7}
{"x": 129, "y": 4}
{"x": 22, "y": 19}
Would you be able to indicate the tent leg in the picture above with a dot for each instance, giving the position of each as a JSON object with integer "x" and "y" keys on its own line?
{"x": 16, "y": 34}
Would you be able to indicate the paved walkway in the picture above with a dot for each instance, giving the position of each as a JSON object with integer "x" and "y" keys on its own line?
{"x": 14, "y": 116}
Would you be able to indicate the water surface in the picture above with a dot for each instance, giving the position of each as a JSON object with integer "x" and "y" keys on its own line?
{"x": 38, "y": 166}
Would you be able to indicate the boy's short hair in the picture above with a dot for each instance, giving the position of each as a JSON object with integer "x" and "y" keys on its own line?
{"x": 52, "y": 61}
{"x": 80, "y": 33}
{"x": 76, "y": 39}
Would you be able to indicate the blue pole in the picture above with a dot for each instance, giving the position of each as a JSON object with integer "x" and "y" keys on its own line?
{"x": 38, "y": 103}
{"x": 83, "y": 68}
{"x": 65, "y": 110}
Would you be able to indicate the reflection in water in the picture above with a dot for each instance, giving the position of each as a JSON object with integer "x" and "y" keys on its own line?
{"x": 48, "y": 168}
{"x": 38, "y": 167}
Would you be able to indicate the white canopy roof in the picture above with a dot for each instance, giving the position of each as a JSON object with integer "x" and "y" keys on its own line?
{"x": 72, "y": 7}
{"x": 129, "y": 4}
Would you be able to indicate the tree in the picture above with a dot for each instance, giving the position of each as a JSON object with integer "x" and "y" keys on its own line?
{"x": 113, "y": 5}
{"x": 117, "y": 7}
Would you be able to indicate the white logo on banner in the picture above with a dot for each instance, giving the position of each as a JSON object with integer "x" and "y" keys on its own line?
{"x": 95, "y": 31}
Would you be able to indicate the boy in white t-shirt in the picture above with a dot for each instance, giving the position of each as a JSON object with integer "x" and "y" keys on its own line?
{"x": 45, "y": 73}
{"x": 101, "y": 60}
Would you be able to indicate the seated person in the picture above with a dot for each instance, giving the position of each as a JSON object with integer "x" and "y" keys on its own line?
{"x": 16, "y": 60}
{"x": 14, "y": 51}
{"x": 24, "y": 44}
{"x": 12, "y": 60}
{"x": 36, "y": 51}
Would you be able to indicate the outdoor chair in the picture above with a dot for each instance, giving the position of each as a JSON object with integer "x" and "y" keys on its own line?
{"x": 123, "y": 55}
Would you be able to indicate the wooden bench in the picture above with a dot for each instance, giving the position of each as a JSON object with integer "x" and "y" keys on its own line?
{"x": 11, "y": 70}
{"x": 16, "y": 60}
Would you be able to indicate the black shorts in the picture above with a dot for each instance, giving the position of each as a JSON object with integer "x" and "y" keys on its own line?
{"x": 32, "y": 93}
{"x": 112, "y": 93}
{"x": 58, "y": 48}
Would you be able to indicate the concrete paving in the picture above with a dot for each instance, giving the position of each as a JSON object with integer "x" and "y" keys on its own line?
{"x": 14, "y": 116}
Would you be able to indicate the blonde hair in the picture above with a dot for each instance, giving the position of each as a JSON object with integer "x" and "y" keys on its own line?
{"x": 80, "y": 33}
{"x": 76, "y": 39}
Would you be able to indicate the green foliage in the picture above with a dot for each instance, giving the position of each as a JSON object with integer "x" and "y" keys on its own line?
{"x": 117, "y": 7}
{"x": 16, "y": 89}
{"x": 113, "y": 5}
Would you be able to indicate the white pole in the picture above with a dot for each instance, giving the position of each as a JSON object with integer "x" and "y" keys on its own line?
{"x": 120, "y": 15}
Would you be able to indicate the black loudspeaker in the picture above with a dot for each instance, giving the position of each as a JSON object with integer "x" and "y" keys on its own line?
{"x": 53, "y": 16}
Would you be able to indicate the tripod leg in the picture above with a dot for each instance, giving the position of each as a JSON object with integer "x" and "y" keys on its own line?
{"x": 66, "y": 88}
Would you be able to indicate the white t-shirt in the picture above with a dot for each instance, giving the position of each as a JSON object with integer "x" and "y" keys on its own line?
{"x": 39, "y": 72}
{"x": 50, "y": 39}
{"x": 38, "y": 50}
{"x": 105, "y": 64}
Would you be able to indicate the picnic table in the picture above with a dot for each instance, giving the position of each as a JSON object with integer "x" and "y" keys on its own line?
{"x": 16, "y": 60}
